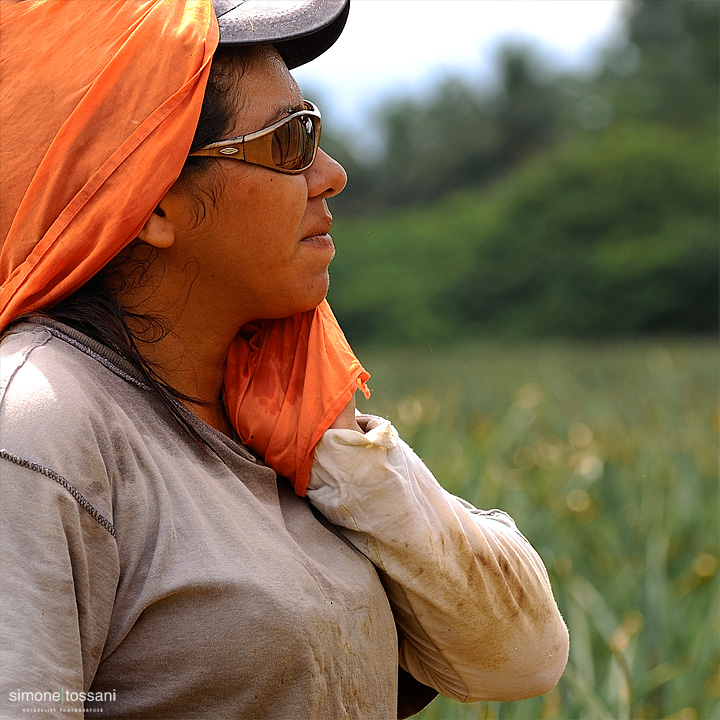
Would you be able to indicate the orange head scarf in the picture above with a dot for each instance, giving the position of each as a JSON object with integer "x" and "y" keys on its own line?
{"x": 99, "y": 102}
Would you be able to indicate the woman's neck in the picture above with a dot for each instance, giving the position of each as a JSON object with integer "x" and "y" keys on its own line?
{"x": 190, "y": 358}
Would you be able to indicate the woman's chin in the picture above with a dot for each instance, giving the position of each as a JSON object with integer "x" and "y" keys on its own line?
{"x": 319, "y": 291}
{"x": 313, "y": 297}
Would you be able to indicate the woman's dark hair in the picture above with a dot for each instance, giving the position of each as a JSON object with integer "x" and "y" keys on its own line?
{"x": 95, "y": 310}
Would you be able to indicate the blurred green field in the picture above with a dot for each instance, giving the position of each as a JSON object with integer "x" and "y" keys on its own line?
{"x": 606, "y": 455}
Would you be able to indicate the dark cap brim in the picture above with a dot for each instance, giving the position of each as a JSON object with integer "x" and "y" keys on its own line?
{"x": 301, "y": 30}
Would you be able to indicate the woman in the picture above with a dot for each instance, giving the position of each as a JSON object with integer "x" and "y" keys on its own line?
{"x": 164, "y": 266}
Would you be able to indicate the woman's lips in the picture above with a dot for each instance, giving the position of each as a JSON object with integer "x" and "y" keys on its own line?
{"x": 319, "y": 234}
{"x": 322, "y": 241}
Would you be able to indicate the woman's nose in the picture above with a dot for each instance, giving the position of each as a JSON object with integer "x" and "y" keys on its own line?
{"x": 325, "y": 177}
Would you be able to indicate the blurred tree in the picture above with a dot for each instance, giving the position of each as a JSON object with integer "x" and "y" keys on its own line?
{"x": 460, "y": 135}
{"x": 528, "y": 118}
{"x": 669, "y": 68}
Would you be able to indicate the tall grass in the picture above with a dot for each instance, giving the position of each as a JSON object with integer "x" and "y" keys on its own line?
{"x": 606, "y": 455}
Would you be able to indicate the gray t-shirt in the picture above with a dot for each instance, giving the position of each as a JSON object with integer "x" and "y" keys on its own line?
{"x": 173, "y": 581}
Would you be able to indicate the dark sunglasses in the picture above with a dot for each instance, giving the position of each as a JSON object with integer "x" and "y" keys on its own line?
{"x": 288, "y": 146}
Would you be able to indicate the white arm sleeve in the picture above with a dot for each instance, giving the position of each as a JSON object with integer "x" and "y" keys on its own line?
{"x": 472, "y": 600}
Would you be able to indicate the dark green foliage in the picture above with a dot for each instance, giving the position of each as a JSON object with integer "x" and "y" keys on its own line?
{"x": 612, "y": 233}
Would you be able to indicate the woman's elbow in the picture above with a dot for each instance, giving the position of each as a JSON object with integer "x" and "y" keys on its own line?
{"x": 545, "y": 666}
{"x": 535, "y": 662}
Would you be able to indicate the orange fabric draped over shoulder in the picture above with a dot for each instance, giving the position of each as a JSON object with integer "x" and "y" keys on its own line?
{"x": 286, "y": 381}
{"x": 99, "y": 102}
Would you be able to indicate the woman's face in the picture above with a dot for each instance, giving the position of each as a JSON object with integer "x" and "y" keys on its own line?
{"x": 263, "y": 250}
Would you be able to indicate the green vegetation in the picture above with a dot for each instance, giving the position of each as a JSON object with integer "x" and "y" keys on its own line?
{"x": 606, "y": 456}
{"x": 552, "y": 206}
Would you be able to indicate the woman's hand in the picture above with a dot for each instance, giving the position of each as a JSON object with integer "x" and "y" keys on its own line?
{"x": 346, "y": 419}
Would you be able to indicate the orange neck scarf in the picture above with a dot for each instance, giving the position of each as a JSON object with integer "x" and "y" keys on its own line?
{"x": 98, "y": 107}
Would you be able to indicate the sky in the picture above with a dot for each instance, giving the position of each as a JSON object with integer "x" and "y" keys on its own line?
{"x": 391, "y": 46}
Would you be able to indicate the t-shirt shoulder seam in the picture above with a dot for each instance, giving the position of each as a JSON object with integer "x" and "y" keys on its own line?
{"x": 104, "y": 361}
{"x": 26, "y": 354}
{"x": 81, "y": 500}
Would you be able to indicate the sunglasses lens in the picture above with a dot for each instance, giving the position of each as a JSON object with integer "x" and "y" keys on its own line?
{"x": 294, "y": 143}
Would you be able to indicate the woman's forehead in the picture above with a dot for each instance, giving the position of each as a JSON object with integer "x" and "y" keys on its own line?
{"x": 266, "y": 91}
